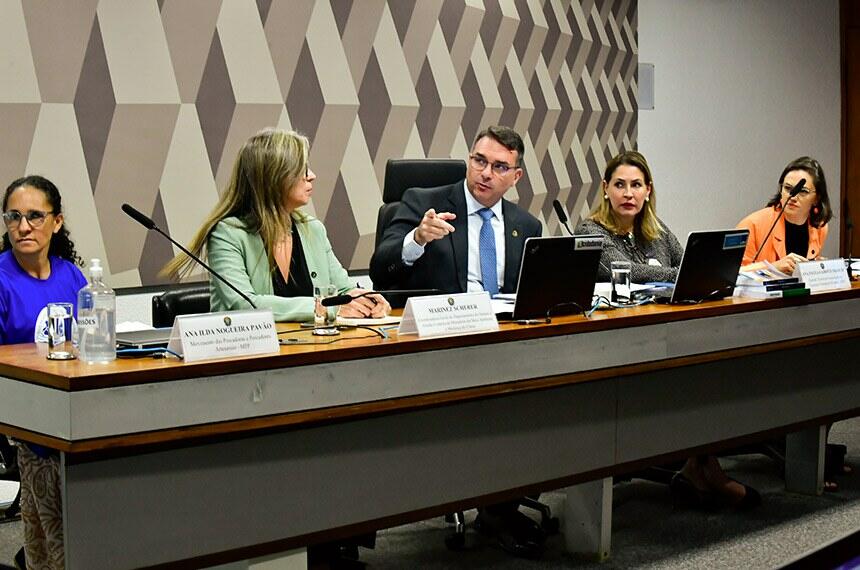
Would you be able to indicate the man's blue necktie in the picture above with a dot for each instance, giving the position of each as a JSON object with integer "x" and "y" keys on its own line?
{"x": 487, "y": 251}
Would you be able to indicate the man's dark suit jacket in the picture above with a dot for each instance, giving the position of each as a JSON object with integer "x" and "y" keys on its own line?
{"x": 445, "y": 262}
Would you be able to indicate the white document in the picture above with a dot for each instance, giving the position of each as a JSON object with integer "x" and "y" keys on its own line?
{"x": 758, "y": 276}
{"x": 442, "y": 315}
{"x": 604, "y": 289}
{"x": 222, "y": 335}
{"x": 502, "y": 305}
{"x": 130, "y": 326}
{"x": 367, "y": 321}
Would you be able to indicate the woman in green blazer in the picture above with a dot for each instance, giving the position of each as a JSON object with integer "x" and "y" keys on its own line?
{"x": 260, "y": 241}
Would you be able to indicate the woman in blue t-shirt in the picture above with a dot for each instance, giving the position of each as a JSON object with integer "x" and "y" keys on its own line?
{"x": 38, "y": 265}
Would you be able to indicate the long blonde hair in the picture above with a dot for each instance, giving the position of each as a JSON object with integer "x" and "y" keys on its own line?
{"x": 645, "y": 225}
{"x": 269, "y": 163}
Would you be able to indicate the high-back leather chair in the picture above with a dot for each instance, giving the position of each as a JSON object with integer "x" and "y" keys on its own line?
{"x": 182, "y": 299}
{"x": 402, "y": 174}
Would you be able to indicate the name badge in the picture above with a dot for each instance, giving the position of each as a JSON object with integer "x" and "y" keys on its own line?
{"x": 442, "y": 315}
{"x": 825, "y": 275}
{"x": 222, "y": 335}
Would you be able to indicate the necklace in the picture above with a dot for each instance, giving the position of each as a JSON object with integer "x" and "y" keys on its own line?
{"x": 628, "y": 242}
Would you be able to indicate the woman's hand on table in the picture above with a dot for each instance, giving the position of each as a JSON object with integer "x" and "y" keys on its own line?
{"x": 371, "y": 306}
{"x": 789, "y": 262}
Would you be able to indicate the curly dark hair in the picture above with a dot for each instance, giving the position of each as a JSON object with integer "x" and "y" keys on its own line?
{"x": 61, "y": 244}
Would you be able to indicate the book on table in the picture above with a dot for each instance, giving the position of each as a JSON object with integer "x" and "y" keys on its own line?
{"x": 768, "y": 283}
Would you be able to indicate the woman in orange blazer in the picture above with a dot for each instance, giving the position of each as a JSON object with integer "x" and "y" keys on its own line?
{"x": 800, "y": 234}
{"x": 797, "y": 237}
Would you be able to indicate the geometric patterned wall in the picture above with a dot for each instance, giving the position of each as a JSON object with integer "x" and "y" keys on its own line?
{"x": 148, "y": 101}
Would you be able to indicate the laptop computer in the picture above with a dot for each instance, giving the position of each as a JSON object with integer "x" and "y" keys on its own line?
{"x": 557, "y": 276}
{"x": 709, "y": 267}
{"x": 149, "y": 338}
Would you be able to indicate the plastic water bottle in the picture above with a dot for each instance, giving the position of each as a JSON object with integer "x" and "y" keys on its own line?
{"x": 96, "y": 318}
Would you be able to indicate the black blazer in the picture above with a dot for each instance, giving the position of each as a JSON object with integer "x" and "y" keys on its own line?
{"x": 445, "y": 262}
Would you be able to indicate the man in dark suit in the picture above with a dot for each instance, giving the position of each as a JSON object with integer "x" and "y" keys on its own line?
{"x": 434, "y": 240}
{"x": 467, "y": 237}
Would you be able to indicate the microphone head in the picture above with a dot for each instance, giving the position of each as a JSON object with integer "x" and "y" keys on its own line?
{"x": 336, "y": 300}
{"x": 138, "y": 217}
{"x": 797, "y": 188}
{"x": 559, "y": 211}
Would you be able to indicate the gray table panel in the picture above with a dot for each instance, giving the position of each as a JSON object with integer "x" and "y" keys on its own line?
{"x": 131, "y": 511}
{"x": 702, "y": 404}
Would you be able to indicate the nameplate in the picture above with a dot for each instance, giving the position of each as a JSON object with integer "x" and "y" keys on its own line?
{"x": 222, "y": 335}
{"x": 825, "y": 275}
{"x": 441, "y": 315}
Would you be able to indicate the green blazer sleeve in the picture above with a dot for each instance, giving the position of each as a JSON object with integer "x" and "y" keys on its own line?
{"x": 240, "y": 257}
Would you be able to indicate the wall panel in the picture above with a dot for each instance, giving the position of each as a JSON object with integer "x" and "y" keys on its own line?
{"x": 164, "y": 92}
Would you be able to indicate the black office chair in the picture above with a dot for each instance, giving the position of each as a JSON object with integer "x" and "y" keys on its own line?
{"x": 402, "y": 174}
{"x": 182, "y": 299}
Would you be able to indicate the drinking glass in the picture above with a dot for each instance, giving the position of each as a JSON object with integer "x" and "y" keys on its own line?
{"x": 60, "y": 316}
{"x": 620, "y": 281}
{"x": 325, "y": 318}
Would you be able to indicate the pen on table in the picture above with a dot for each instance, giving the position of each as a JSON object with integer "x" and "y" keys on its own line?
{"x": 292, "y": 340}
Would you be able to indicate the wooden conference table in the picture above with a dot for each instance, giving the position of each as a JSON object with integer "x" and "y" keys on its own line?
{"x": 195, "y": 464}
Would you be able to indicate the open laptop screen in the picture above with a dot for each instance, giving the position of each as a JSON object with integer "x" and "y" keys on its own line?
{"x": 557, "y": 275}
{"x": 709, "y": 267}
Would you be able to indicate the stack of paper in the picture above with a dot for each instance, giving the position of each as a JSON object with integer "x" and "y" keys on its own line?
{"x": 767, "y": 283}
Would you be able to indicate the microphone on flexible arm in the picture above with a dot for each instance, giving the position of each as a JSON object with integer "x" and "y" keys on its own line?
{"x": 347, "y": 298}
{"x": 147, "y": 222}
{"x": 562, "y": 217}
{"x": 794, "y": 192}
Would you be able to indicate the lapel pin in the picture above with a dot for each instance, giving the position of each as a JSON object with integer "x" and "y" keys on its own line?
{"x": 515, "y": 233}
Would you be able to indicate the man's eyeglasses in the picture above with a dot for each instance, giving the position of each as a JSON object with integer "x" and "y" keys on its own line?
{"x": 35, "y": 218}
{"x": 480, "y": 163}
{"x": 804, "y": 192}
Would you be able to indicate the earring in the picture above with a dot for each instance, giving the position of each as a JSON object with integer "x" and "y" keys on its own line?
{"x": 815, "y": 210}
{"x": 647, "y": 198}
{"x": 606, "y": 196}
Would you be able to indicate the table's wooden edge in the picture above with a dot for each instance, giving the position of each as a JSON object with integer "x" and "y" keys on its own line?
{"x": 297, "y": 420}
{"x": 382, "y": 348}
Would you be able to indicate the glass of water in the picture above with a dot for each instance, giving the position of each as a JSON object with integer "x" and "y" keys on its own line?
{"x": 620, "y": 281}
{"x": 60, "y": 316}
{"x": 325, "y": 318}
